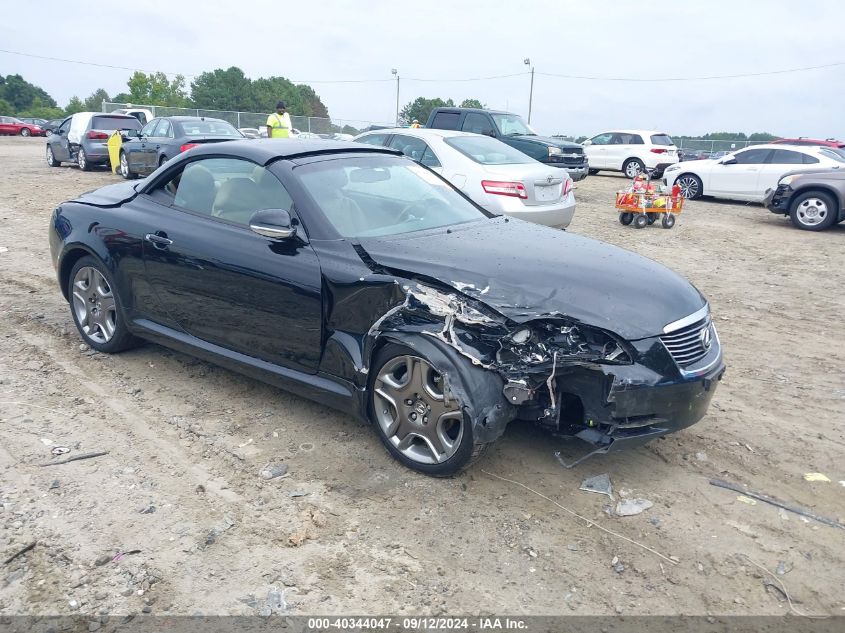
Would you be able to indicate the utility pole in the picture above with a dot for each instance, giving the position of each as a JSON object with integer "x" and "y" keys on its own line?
{"x": 527, "y": 62}
{"x": 396, "y": 73}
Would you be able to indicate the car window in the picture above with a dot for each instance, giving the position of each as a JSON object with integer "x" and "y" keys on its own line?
{"x": 415, "y": 148}
{"x": 834, "y": 153}
{"x": 446, "y": 120}
{"x": 752, "y": 156}
{"x": 399, "y": 196}
{"x": 209, "y": 127}
{"x": 661, "y": 139}
{"x": 66, "y": 125}
{"x": 148, "y": 129}
{"x": 511, "y": 124}
{"x": 114, "y": 123}
{"x": 477, "y": 124}
{"x": 373, "y": 139}
{"x": 602, "y": 139}
{"x": 488, "y": 151}
{"x": 231, "y": 189}
{"x": 786, "y": 157}
{"x": 623, "y": 138}
{"x": 163, "y": 128}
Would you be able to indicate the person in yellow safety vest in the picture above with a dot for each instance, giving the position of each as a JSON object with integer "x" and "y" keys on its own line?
{"x": 415, "y": 123}
{"x": 278, "y": 123}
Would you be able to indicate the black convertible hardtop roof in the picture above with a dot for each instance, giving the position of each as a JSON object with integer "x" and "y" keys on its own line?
{"x": 264, "y": 151}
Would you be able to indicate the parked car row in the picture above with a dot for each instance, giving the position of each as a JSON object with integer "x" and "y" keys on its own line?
{"x": 12, "y": 126}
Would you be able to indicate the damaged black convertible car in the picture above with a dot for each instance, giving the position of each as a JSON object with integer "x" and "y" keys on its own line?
{"x": 356, "y": 277}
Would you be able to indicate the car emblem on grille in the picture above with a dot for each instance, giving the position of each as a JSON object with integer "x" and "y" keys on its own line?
{"x": 706, "y": 338}
{"x": 549, "y": 179}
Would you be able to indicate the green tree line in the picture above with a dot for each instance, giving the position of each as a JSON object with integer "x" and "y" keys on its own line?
{"x": 218, "y": 89}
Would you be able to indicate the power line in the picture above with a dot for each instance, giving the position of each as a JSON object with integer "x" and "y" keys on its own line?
{"x": 465, "y": 79}
{"x": 657, "y": 79}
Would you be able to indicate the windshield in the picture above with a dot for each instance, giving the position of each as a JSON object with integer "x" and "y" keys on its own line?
{"x": 114, "y": 123}
{"x": 836, "y": 153}
{"x": 511, "y": 124}
{"x": 661, "y": 139}
{"x": 488, "y": 151}
{"x": 371, "y": 196}
{"x": 209, "y": 128}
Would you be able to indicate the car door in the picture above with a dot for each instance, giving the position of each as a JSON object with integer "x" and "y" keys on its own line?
{"x": 778, "y": 163}
{"x": 417, "y": 149}
{"x": 145, "y": 148}
{"x": 59, "y": 142}
{"x": 737, "y": 175}
{"x": 597, "y": 150}
{"x": 622, "y": 146}
{"x": 161, "y": 142}
{"x": 5, "y": 125}
{"x": 218, "y": 280}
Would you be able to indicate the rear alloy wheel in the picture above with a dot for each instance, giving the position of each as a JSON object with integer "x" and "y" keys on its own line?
{"x": 690, "y": 185}
{"x": 82, "y": 160}
{"x": 96, "y": 309}
{"x": 813, "y": 211}
{"x": 25, "y": 132}
{"x": 51, "y": 160}
{"x": 162, "y": 160}
{"x": 124, "y": 167}
{"x": 421, "y": 426}
{"x": 633, "y": 167}
{"x": 640, "y": 221}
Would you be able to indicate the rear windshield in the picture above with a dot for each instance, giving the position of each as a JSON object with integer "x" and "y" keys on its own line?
{"x": 488, "y": 151}
{"x": 661, "y": 139}
{"x": 115, "y": 123}
{"x": 209, "y": 128}
{"x": 835, "y": 153}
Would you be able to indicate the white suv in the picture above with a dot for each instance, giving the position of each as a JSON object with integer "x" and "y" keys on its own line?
{"x": 631, "y": 152}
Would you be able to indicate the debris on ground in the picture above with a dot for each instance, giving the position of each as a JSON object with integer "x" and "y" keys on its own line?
{"x": 299, "y": 536}
{"x": 816, "y": 477}
{"x": 599, "y": 484}
{"x": 775, "y": 502}
{"x": 274, "y": 604}
{"x": 75, "y": 458}
{"x": 20, "y": 552}
{"x": 59, "y": 450}
{"x": 148, "y": 510}
{"x": 783, "y": 568}
{"x": 631, "y": 507}
{"x": 297, "y": 493}
{"x": 271, "y": 471}
{"x": 748, "y": 500}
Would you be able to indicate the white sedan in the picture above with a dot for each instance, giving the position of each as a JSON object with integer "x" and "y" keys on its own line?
{"x": 747, "y": 174}
{"x": 495, "y": 176}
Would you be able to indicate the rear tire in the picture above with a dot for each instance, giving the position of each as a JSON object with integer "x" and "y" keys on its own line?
{"x": 813, "y": 211}
{"x": 633, "y": 167}
{"x": 626, "y": 218}
{"x": 82, "y": 160}
{"x": 592, "y": 172}
{"x": 25, "y": 132}
{"x": 668, "y": 221}
{"x": 127, "y": 173}
{"x": 401, "y": 375}
{"x": 640, "y": 221}
{"x": 162, "y": 160}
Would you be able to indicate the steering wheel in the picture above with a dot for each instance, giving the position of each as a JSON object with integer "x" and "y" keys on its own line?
{"x": 425, "y": 205}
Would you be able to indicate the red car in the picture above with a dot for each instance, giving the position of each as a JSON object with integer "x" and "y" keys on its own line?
{"x": 14, "y": 127}
{"x": 803, "y": 140}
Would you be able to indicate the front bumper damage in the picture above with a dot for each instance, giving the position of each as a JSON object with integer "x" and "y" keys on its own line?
{"x": 568, "y": 377}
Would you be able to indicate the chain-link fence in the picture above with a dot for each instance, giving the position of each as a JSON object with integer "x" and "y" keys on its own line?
{"x": 726, "y": 145}
{"x": 312, "y": 125}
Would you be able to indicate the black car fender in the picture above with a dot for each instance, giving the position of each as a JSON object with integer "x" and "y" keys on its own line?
{"x": 479, "y": 390}
{"x": 72, "y": 253}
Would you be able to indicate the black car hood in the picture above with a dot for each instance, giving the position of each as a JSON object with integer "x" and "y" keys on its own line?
{"x": 525, "y": 271}
{"x": 110, "y": 195}
{"x": 548, "y": 140}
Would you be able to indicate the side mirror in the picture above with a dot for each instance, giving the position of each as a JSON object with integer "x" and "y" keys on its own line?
{"x": 272, "y": 223}
{"x": 728, "y": 160}
{"x": 587, "y": 143}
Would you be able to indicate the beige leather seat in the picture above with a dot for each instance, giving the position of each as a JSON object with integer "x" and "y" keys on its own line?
{"x": 196, "y": 189}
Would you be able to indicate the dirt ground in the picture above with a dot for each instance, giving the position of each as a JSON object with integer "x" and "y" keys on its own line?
{"x": 349, "y": 530}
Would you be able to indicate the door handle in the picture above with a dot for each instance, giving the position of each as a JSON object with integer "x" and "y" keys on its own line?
{"x": 158, "y": 241}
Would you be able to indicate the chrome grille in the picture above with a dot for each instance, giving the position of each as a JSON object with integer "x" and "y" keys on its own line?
{"x": 686, "y": 345}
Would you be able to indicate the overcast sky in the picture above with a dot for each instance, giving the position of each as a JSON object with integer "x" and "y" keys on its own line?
{"x": 332, "y": 40}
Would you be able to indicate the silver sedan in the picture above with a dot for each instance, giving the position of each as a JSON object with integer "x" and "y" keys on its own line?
{"x": 495, "y": 176}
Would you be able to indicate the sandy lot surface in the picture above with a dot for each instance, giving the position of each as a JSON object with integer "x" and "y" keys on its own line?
{"x": 349, "y": 530}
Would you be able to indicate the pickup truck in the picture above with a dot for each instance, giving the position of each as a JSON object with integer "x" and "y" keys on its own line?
{"x": 512, "y": 130}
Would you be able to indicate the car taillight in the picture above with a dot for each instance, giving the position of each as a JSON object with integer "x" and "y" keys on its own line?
{"x": 567, "y": 186}
{"x": 658, "y": 151}
{"x": 187, "y": 146}
{"x": 500, "y": 188}
{"x": 101, "y": 136}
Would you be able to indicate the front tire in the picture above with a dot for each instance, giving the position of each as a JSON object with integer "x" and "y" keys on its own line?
{"x": 691, "y": 187}
{"x": 813, "y": 211}
{"x": 51, "y": 160}
{"x": 626, "y": 218}
{"x": 668, "y": 221}
{"x": 421, "y": 426}
{"x": 96, "y": 308}
{"x": 633, "y": 167}
{"x": 82, "y": 160}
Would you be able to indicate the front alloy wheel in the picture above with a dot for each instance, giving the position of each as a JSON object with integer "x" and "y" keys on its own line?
{"x": 690, "y": 186}
{"x": 93, "y": 305}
